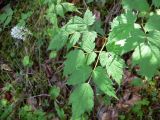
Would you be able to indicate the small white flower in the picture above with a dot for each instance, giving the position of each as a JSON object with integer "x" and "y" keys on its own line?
{"x": 121, "y": 42}
{"x": 20, "y": 32}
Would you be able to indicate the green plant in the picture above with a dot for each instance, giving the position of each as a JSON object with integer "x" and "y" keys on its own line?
{"x": 54, "y": 92}
{"x": 137, "y": 108}
{"x": 24, "y": 18}
{"x": 6, "y": 17}
{"x": 84, "y": 64}
{"x": 5, "y": 109}
{"x": 57, "y": 8}
{"x": 26, "y": 113}
{"x": 92, "y": 60}
{"x": 27, "y": 61}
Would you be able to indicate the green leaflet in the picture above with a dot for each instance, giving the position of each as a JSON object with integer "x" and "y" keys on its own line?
{"x": 89, "y": 35}
{"x": 74, "y": 39}
{"x": 120, "y": 32}
{"x": 126, "y": 18}
{"x": 140, "y": 5}
{"x": 88, "y": 39}
{"x": 91, "y": 58}
{"x": 97, "y": 27}
{"x": 68, "y": 7}
{"x": 75, "y": 59}
{"x": 52, "y": 18}
{"x": 89, "y": 18}
{"x": 122, "y": 26}
{"x": 113, "y": 47}
{"x": 82, "y": 100}
{"x": 122, "y": 46}
{"x": 147, "y": 56}
{"x": 156, "y": 3}
{"x": 6, "y": 17}
{"x": 153, "y": 23}
{"x": 58, "y": 40}
{"x": 76, "y": 24}
{"x": 114, "y": 65}
{"x": 64, "y": 7}
{"x": 154, "y": 37}
{"x": 121, "y": 29}
{"x": 80, "y": 75}
{"x": 137, "y": 37}
{"x": 103, "y": 82}
{"x": 59, "y": 10}
{"x": 88, "y": 46}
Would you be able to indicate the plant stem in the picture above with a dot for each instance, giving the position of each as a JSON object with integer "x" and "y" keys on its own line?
{"x": 97, "y": 59}
{"x": 99, "y": 54}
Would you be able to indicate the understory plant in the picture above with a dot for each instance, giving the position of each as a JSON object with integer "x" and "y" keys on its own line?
{"x": 136, "y": 30}
{"x": 94, "y": 62}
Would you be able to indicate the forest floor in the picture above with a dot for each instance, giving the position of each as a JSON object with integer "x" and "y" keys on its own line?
{"x": 35, "y": 88}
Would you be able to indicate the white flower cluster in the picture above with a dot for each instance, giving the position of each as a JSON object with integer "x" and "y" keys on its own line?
{"x": 20, "y": 32}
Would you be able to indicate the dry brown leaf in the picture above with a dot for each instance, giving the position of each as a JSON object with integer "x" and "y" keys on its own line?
{"x": 128, "y": 100}
{"x": 100, "y": 42}
{"x": 107, "y": 113}
{"x": 135, "y": 98}
{"x": 5, "y": 67}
